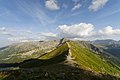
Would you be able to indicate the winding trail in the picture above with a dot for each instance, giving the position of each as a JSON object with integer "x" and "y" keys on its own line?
{"x": 69, "y": 57}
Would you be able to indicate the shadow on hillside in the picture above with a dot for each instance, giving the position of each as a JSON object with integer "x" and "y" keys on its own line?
{"x": 52, "y": 69}
{"x": 7, "y": 65}
{"x": 37, "y": 62}
{"x": 55, "y": 72}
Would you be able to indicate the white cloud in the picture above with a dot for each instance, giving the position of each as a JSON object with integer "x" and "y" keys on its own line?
{"x": 109, "y": 13}
{"x": 23, "y": 38}
{"x": 27, "y": 32}
{"x": 97, "y": 4}
{"x": 109, "y": 31}
{"x": 77, "y": 6}
{"x": 47, "y": 35}
{"x": 3, "y": 31}
{"x": 36, "y": 12}
{"x": 17, "y": 39}
{"x": 52, "y": 4}
{"x": 25, "y": 35}
{"x": 76, "y": 31}
{"x": 81, "y": 31}
{"x": 84, "y": 31}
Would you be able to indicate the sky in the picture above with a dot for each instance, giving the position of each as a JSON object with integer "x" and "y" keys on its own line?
{"x": 35, "y": 20}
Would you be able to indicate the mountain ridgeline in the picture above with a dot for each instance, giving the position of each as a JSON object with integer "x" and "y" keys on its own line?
{"x": 68, "y": 60}
{"x": 108, "y": 45}
{"x": 22, "y": 51}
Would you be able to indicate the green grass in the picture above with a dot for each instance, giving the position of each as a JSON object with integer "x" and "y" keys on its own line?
{"x": 55, "y": 52}
{"x": 56, "y": 56}
{"x": 91, "y": 61}
{"x": 84, "y": 57}
{"x": 54, "y": 62}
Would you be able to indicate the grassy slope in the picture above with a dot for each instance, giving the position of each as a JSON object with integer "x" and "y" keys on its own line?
{"x": 113, "y": 51}
{"x": 55, "y": 56}
{"x": 55, "y": 52}
{"x": 85, "y": 58}
{"x": 91, "y": 61}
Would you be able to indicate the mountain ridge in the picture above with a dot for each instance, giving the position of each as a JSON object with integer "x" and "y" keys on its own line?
{"x": 23, "y": 51}
{"x": 83, "y": 64}
{"x": 110, "y": 46}
{"x": 71, "y": 57}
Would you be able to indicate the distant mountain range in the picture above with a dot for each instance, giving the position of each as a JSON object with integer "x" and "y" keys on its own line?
{"x": 105, "y": 42}
{"x": 110, "y": 46}
{"x": 61, "y": 59}
{"x": 22, "y": 51}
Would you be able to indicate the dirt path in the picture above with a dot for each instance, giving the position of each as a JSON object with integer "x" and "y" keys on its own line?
{"x": 69, "y": 57}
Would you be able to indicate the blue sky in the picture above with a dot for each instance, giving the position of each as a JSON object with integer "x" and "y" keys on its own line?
{"x": 28, "y": 20}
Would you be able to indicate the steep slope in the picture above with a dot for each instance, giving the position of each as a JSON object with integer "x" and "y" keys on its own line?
{"x": 22, "y": 51}
{"x": 90, "y": 60}
{"x": 76, "y": 55}
{"x": 110, "y": 46}
{"x": 58, "y": 55}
